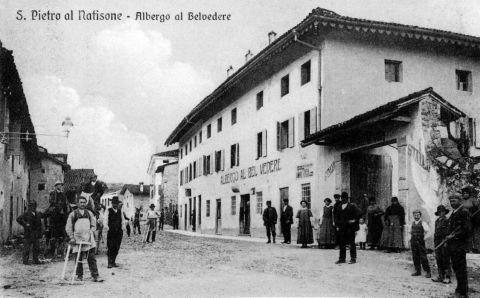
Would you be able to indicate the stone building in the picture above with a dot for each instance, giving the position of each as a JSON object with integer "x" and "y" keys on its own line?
{"x": 18, "y": 147}
{"x": 42, "y": 179}
{"x": 360, "y": 90}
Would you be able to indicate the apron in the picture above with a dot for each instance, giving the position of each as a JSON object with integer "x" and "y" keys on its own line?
{"x": 82, "y": 233}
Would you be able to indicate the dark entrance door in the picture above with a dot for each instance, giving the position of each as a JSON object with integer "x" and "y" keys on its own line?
{"x": 218, "y": 217}
{"x": 244, "y": 215}
{"x": 194, "y": 215}
{"x": 372, "y": 175}
{"x": 185, "y": 217}
{"x": 199, "y": 212}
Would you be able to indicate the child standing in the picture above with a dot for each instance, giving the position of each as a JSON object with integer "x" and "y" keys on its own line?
{"x": 441, "y": 253}
{"x": 361, "y": 235}
{"x": 417, "y": 242}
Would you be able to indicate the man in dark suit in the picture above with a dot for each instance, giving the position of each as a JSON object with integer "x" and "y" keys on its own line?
{"x": 459, "y": 228}
{"x": 286, "y": 220}
{"x": 31, "y": 221}
{"x": 270, "y": 220}
{"x": 346, "y": 218}
{"x": 58, "y": 212}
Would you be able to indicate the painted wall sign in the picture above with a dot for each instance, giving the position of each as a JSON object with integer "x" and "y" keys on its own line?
{"x": 419, "y": 157}
{"x": 304, "y": 171}
{"x": 253, "y": 171}
{"x": 330, "y": 170}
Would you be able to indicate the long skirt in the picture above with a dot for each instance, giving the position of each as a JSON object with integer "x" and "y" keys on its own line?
{"x": 327, "y": 233}
{"x": 305, "y": 234}
{"x": 392, "y": 235}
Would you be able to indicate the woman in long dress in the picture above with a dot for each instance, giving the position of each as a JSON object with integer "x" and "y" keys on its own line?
{"x": 392, "y": 236}
{"x": 305, "y": 231}
{"x": 374, "y": 223}
{"x": 326, "y": 236}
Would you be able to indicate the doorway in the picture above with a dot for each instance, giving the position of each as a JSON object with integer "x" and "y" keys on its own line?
{"x": 199, "y": 212}
{"x": 244, "y": 215}
{"x": 218, "y": 217}
{"x": 185, "y": 217}
{"x": 194, "y": 215}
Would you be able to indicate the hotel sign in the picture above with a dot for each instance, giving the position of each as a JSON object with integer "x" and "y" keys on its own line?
{"x": 304, "y": 171}
{"x": 250, "y": 172}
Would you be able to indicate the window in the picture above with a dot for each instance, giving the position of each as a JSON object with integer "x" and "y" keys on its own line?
{"x": 200, "y": 137}
{"x": 194, "y": 169}
{"x": 207, "y": 161}
{"x": 308, "y": 123}
{"x": 259, "y": 202}
{"x": 190, "y": 144}
{"x": 393, "y": 71}
{"x": 464, "y": 80}
{"x": 41, "y": 186}
{"x": 209, "y": 131}
{"x": 306, "y": 195}
{"x": 262, "y": 144}
{"x": 186, "y": 149}
{"x": 219, "y": 124}
{"x": 305, "y": 72}
{"x": 13, "y": 163}
{"x": 43, "y": 171}
{"x": 234, "y": 155}
{"x": 285, "y": 134}
{"x": 190, "y": 173}
{"x": 181, "y": 179}
{"x": 259, "y": 100}
{"x": 181, "y": 153}
{"x": 219, "y": 160}
{"x": 207, "y": 208}
{"x": 195, "y": 141}
{"x": 234, "y": 205}
{"x": 234, "y": 116}
{"x": 284, "y": 85}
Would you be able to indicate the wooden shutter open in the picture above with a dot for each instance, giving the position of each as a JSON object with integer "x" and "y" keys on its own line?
{"x": 279, "y": 134}
{"x": 301, "y": 126}
{"x": 291, "y": 134}
{"x": 313, "y": 120}
{"x": 222, "y": 155}
{"x": 264, "y": 143}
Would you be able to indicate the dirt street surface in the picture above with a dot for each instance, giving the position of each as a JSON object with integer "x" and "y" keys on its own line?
{"x": 181, "y": 265}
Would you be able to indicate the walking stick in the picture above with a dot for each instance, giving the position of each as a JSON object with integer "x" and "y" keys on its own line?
{"x": 453, "y": 233}
{"x": 66, "y": 262}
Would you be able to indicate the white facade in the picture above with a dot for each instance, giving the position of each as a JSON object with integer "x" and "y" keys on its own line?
{"x": 250, "y": 122}
{"x": 156, "y": 178}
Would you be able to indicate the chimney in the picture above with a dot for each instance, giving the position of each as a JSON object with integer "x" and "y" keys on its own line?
{"x": 248, "y": 55}
{"x": 271, "y": 36}
{"x": 141, "y": 186}
{"x": 229, "y": 70}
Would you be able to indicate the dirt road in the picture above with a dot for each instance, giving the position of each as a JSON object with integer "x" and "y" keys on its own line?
{"x": 180, "y": 265}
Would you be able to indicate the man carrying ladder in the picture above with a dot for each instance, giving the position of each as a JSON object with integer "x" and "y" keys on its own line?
{"x": 80, "y": 226}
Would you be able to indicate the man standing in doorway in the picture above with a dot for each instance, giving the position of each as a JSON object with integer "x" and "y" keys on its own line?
{"x": 270, "y": 220}
{"x": 346, "y": 222}
{"x": 114, "y": 226}
{"x": 286, "y": 220}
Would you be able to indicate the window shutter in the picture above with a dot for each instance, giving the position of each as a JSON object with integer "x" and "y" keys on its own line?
{"x": 238, "y": 155}
{"x": 313, "y": 120}
{"x": 291, "y": 135}
{"x": 264, "y": 143}
{"x": 222, "y": 165}
{"x": 301, "y": 126}
{"x": 477, "y": 132}
{"x": 200, "y": 166}
{"x": 279, "y": 133}
{"x": 232, "y": 155}
{"x": 212, "y": 163}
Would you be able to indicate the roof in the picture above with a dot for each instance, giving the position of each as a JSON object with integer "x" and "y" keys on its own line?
{"x": 135, "y": 189}
{"x": 76, "y": 177}
{"x": 11, "y": 86}
{"x": 324, "y": 20}
{"x": 169, "y": 153}
{"x": 384, "y": 112}
{"x": 162, "y": 167}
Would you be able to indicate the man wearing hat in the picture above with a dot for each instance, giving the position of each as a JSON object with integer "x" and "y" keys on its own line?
{"x": 459, "y": 228}
{"x": 418, "y": 233}
{"x": 152, "y": 216}
{"x": 95, "y": 188}
{"x": 270, "y": 220}
{"x": 113, "y": 224}
{"x": 346, "y": 219}
{"x": 31, "y": 221}
{"x": 286, "y": 220}
{"x": 441, "y": 253}
{"x": 58, "y": 212}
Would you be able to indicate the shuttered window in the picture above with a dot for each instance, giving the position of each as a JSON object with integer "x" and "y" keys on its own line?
{"x": 393, "y": 71}
{"x": 262, "y": 144}
{"x": 308, "y": 123}
{"x": 219, "y": 160}
{"x": 234, "y": 116}
{"x": 305, "y": 72}
{"x": 259, "y": 100}
{"x": 209, "y": 131}
{"x": 284, "y": 85}
{"x": 234, "y": 155}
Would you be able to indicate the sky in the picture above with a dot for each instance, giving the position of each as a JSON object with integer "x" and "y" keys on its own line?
{"x": 127, "y": 84}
